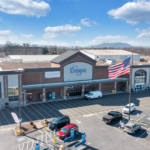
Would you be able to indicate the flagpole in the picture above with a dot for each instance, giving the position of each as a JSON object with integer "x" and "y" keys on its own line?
{"x": 130, "y": 85}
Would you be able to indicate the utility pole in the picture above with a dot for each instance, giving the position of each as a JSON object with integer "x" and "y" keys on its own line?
{"x": 130, "y": 85}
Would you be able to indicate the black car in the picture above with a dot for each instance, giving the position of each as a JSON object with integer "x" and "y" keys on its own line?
{"x": 112, "y": 116}
{"x": 59, "y": 122}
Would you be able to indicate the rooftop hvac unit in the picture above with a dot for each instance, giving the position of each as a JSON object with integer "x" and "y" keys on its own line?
{"x": 110, "y": 61}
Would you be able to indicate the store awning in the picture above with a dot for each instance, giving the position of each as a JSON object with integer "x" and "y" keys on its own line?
{"x": 75, "y": 83}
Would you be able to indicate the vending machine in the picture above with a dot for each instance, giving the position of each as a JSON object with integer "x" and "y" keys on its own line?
{"x": 30, "y": 97}
{"x": 41, "y": 96}
{"x": 49, "y": 96}
{"x": 53, "y": 95}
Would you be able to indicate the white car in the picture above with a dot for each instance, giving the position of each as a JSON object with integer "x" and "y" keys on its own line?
{"x": 132, "y": 127}
{"x": 93, "y": 94}
{"x": 126, "y": 108}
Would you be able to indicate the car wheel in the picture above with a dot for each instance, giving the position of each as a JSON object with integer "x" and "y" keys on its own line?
{"x": 89, "y": 98}
{"x": 99, "y": 97}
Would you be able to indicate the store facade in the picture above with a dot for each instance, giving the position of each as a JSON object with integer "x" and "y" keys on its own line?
{"x": 74, "y": 75}
{"x": 70, "y": 74}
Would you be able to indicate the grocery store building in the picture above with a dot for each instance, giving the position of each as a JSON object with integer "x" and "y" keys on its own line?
{"x": 71, "y": 74}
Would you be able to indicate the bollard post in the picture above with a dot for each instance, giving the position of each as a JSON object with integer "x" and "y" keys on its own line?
{"x": 54, "y": 136}
{"x": 121, "y": 109}
{"x": 137, "y": 118}
{"x": 44, "y": 127}
{"x": 37, "y": 146}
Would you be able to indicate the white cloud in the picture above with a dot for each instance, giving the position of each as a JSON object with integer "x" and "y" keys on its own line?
{"x": 87, "y": 22}
{"x": 137, "y": 29}
{"x": 7, "y": 35}
{"x": 148, "y": 22}
{"x": 25, "y": 7}
{"x": 77, "y": 42}
{"x": 27, "y": 35}
{"x": 52, "y": 43}
{"x": 109, "y": 39}
{"x": 144, "y": 34}
{"x": 53, "y": 32}
{"x": 133, "y": 12}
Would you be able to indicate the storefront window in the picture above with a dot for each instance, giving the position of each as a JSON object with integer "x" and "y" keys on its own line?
{"x": 13, "y": 94}
{"x": 140, "y": 77}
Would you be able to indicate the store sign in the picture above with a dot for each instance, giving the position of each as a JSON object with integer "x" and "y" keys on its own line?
{"x": 74, "y": 69}
{"x": 52, "y": 74}
{"x": 78, "y": 71}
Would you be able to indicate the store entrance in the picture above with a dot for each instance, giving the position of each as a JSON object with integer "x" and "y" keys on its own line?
{"x": 77, "y": 90}
{"x": 74, "y": 91}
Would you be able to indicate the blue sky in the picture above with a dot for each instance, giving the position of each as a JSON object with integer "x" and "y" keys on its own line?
{"x": 75, "y": 22}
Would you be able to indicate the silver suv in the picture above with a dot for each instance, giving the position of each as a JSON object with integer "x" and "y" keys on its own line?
{"x": 132, "y": 127}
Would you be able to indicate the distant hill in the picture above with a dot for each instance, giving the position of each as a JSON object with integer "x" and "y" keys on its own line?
{"x": 111, "y": 45}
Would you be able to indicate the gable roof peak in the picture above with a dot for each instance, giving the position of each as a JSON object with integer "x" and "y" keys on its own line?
{"x": 69, "y": 55}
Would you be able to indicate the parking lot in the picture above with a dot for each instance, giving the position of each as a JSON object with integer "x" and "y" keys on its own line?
{"x": 88, "y": 116}
{"x": 72, "y": 108}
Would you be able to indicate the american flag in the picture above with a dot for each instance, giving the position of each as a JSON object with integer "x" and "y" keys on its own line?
{"x": 119, "y": 69}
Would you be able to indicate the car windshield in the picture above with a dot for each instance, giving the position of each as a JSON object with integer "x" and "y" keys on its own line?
{"x": 127, "y": 107}
{"x": 111, "y": 114}
{"x": 89, "y": 93}
{"x": 56, "y": 120}
{"x": 64, "y": 129}
{"x": 128, "y": 127}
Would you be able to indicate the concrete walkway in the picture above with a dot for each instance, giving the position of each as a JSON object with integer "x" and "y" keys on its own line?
{"x": 73, "y": 97}
{"x": 68, "y": 98}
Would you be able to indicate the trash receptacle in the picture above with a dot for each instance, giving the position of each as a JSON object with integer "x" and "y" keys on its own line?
{"x": 112, "y": 91}
{"x": 6, "y": 105}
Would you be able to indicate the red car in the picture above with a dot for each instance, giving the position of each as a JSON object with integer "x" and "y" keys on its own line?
{"x": 66, "y": 131}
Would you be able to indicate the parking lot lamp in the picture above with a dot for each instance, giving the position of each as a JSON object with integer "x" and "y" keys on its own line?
{"x": 130, "y": 84}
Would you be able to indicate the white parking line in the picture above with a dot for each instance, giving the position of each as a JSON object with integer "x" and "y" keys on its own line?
{"x": 78, "y": 121}
{"x": 98, "y": 116}
{"x": 142, "y": 135}
{"x": 41, "y": 131}
{"x": 118, "y": 130}
{"x": 141, "y": 117}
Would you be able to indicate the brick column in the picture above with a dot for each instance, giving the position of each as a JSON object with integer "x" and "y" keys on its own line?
{"x": 115, "y": 87}
{"x": 100, "y": 86}
{"x": 82, "y": 93}
{"x": 44, "y": 95}
{"x": 24, "y": 97}
{"x": 5, "y": 85}
{"x": 20, "y": 88}
{"x": 127, "y": 86}
{"x": 64, "y": 96}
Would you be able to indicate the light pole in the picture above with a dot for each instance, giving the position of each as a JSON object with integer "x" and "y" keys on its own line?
{"x": 130, "y": 85}
{"x": 20, "y": 98}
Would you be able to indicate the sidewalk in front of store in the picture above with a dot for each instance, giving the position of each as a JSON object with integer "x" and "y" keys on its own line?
{"x": 68, "y": 98}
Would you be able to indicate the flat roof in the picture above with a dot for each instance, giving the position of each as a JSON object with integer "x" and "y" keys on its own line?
{"x": 16, "y": 65}
{"x": 33, "y": 58}
{"x": 14, "y": 57}
{"x": 63, "y": 84}
{"x": 108, "y": 52}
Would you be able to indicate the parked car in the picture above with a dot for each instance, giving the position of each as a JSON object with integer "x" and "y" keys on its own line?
{"x": 112, "y": 116}
{"x": 132, "y": 127}
{"x": 66, "y": 131}
{"x": 59, "y": 122}
{"x": 93, "y": 94}
{"x": 126, "y": 108}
